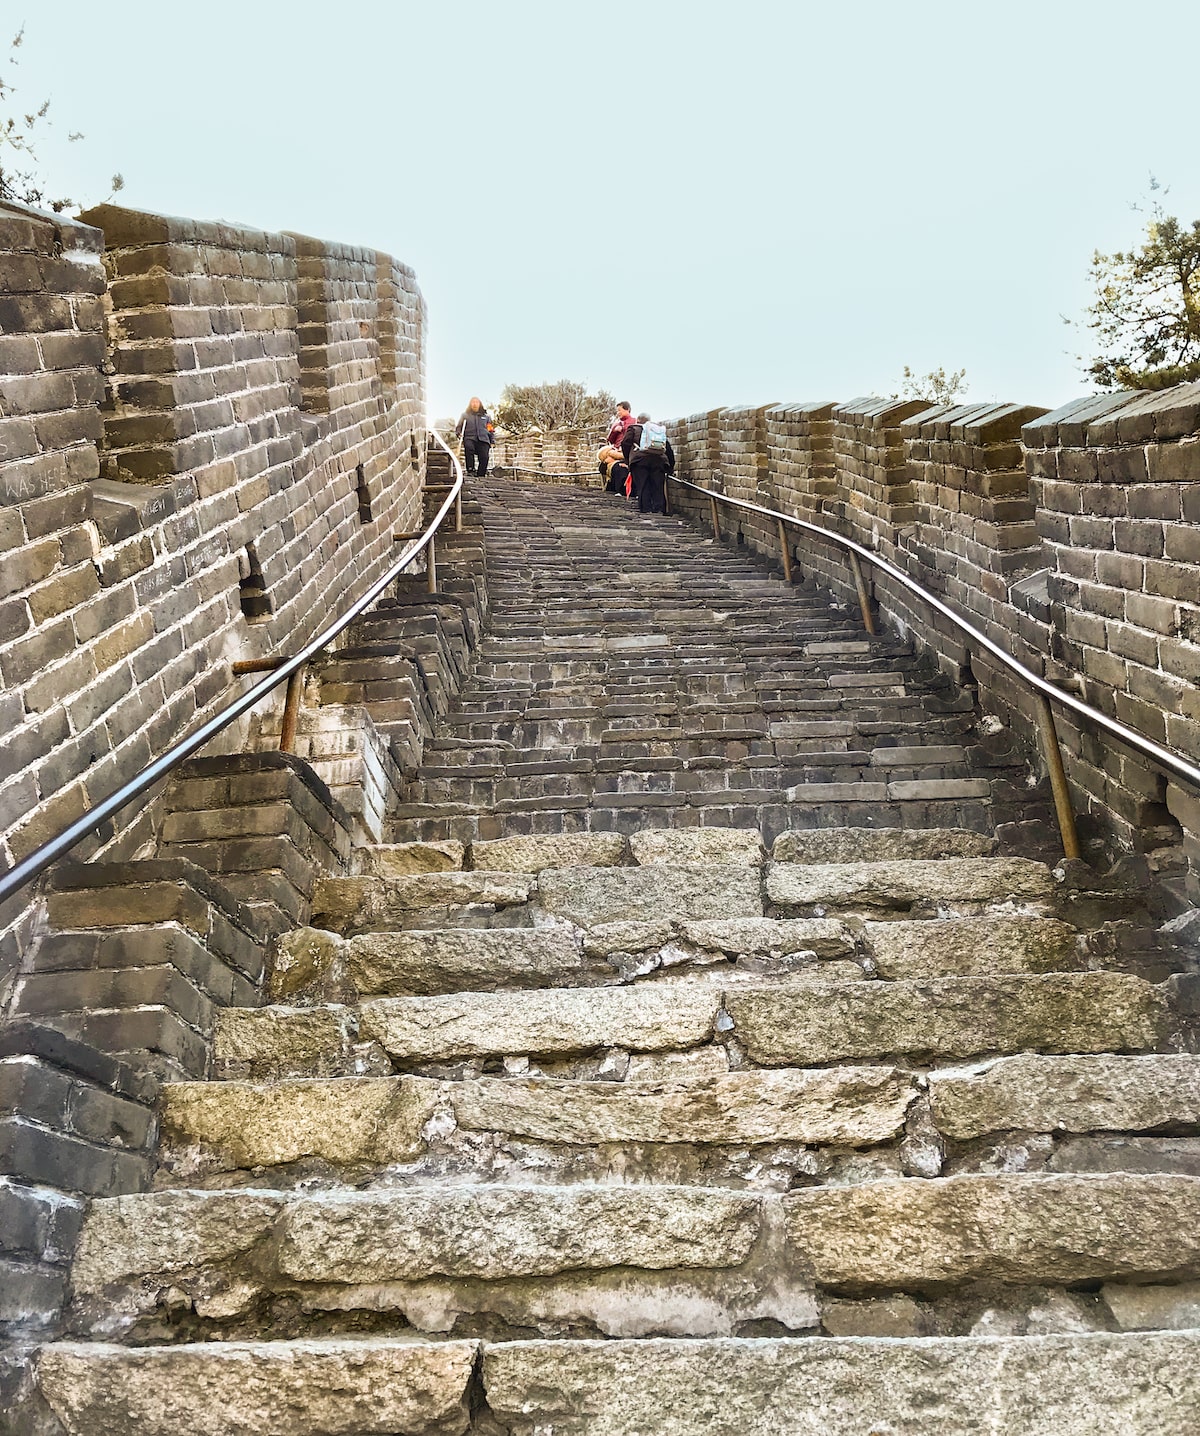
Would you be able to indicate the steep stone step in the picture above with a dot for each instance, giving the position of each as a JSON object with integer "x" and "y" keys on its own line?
{"x": 668, "y": 1129}
{"x": 1093, "y": 1385}
{"x": 949, "y": 1017}
{"x": 803, "y": 1018}
{"x": 365, "y": 904}
{"x": 1104, "y": 1093}
{"x": 876, "y": 845}
{"x": 648, "y": 1017}
{"x": 903, "y": 882}
{"x": 432, "y": 1253}
{"x": 434, "y": 1256}
{"x": 318, "y": 965}
{"x": 251, "y": 1388}
{"x": 582, "y": 895}
{"x": 970, "y": 947}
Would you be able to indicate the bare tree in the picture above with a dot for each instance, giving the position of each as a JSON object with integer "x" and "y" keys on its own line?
{"x": 561, "y": 404}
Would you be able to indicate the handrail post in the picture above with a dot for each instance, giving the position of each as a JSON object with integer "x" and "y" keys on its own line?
{"x": 458, "y": 513}
{"x": 431, "y": 566}
{"x": 716, "y": 518}
{"x": 783, "y": 549}
{"x": 291, "y": 711}
{"x": 1063, "y": 807}
{"x": 864, "y": 600}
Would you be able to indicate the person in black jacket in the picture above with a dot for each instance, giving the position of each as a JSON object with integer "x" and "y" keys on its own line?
{"x": 475, "y": 430}
{"x": 648, "y": 470}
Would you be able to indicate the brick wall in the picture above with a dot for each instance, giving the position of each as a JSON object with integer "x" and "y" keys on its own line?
{"x": 557, "y": 451}
{"x": 1116, "y": 482}
{"x": 1071, "y": 538}
{"x": 211, "y": 434}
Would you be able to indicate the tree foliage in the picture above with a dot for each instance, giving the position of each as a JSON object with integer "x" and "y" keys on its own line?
{"x": 1146, "y": 314}
{"x": 936, "y": 387}
{"x": 561, "y": 404}
{"x": 21, "y": 180}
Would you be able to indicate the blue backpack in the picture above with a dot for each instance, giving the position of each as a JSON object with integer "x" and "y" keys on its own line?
{"x": 654, "y": 439}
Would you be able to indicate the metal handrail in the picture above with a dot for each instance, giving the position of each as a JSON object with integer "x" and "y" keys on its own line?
{"x": 1047, "y": 693}
{"x": 284, "y": 671}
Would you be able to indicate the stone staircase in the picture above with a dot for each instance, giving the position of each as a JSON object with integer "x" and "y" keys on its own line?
{"x": 572, "y": 1112}
{"x": 632, "y": 675}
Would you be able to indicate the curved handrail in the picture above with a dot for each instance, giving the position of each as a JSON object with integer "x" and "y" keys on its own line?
{"x": 1166, "y": 758}
{"x": 37, "y": 861}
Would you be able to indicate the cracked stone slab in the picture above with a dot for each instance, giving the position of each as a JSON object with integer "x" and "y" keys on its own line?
{"x": 697, "y": 846}
{"x": 875, "y": 845}
{"x": 1012, "y": 1228}
{"x": 897, "y": 883}
{"x": 852, "y": 1106}
{"x": 1093, "y": 1385}
{"x": 501, "y": 1232}
{"x": 825, "y": 936}
{"x": 971, "y": 946}
{"x": 1103, "y": 1093}
{"x": 818, "y": 1022}
{"x": 168, "y": 1232}
{"x": 376, "y": 1387}
{"x": 610, "y": 937}
{"x": 642, "y": 1018}
{"x": 564, "y": 850}
{"x": 227, "y": 1126}
{"x": 591, "y": 896}
{"x": 282, "y": 1039}
{"x": 362, "y": 904}
{"x": 396, "y": 860}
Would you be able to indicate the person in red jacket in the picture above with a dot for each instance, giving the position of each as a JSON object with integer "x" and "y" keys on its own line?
{"x": 620, "y": 425}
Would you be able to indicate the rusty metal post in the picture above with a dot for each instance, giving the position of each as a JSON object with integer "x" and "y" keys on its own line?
{"x": 864, "y": 601}
{"x": 291, "y": 711}
{"x": 716, "y": 518}
{"x": 1052, "y": 753}
{"x": 431, "y": 566}
{"x": 784, "y": 551}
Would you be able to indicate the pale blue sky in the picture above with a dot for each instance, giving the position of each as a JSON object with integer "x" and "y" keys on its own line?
{"x": 689, "y": 203}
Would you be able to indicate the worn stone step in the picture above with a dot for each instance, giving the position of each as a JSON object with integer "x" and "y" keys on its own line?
{"x": 647, "y": 1017}
{"x": 1103, "y": 1093}
{"x": 918, "y": 1235}
{"x": 971, "y": 946}
{"x": 1063, "y": 1385}
{"x": 638, "y": 1127}
{"x": 425, "y": 961}
{"x": 367, "y": 903}
{"x": 427, "y": 1254}
{"x": 343, "y": 1387}
{"x": 949, "y": 1017}
{"x": 590, "y": 896}
{"x": 903, "y": 882}
{"x": 873, "y": 845}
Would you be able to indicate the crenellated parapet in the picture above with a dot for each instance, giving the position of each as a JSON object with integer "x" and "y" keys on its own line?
{"x": 1071, "y": 538}
{"x": 210, "y": 435}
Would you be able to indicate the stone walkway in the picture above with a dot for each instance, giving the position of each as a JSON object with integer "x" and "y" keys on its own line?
{"x": 695, "y": 1060}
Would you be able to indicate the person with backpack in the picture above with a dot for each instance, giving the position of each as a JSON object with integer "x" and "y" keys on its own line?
{"x": 650, "y": 461}
{"x": 476, "y": 430}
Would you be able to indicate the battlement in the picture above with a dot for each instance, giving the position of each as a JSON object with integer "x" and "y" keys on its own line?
{"x": 1071, "y": 538}
{"x": 209, "y": 436}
